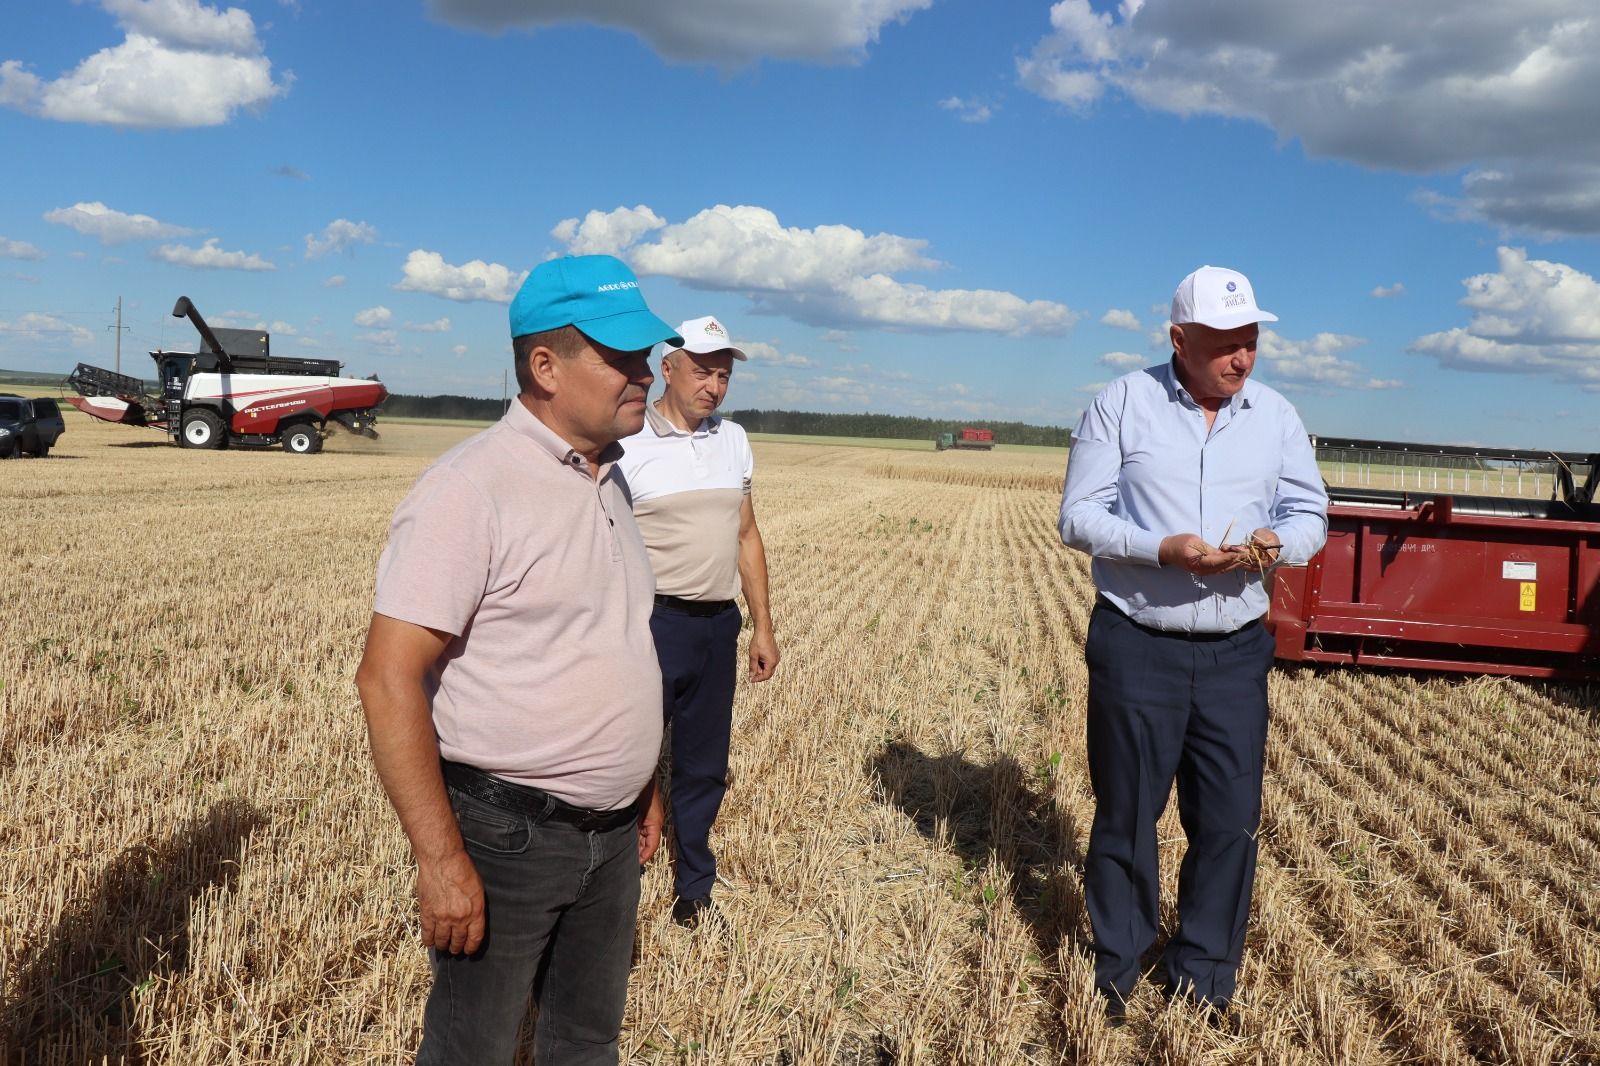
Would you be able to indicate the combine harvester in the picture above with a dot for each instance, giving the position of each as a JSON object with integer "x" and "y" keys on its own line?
{"x": 235, "y": 393}
{"x": 1431, "y": 580}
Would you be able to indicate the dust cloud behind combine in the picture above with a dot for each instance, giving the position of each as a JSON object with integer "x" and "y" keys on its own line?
{"x": 197, "y": 863}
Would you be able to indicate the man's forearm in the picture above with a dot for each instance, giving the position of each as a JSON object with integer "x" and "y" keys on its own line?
{"x": 405, "y": 751}
{"x": 753, "y": 578}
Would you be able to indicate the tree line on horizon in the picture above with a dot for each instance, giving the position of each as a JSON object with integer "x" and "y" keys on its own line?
{"x": 799, "y": 423}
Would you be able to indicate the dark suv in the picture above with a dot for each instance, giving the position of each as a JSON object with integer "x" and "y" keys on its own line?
{"x": 29, "y": 426}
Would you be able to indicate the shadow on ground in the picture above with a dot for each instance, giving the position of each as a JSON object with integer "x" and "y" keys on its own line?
{"x": 72, "y": 997}
{"x": 994, "y": 810}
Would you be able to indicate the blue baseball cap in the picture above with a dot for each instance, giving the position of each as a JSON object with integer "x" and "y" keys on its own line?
{"x": 596, "y": 293}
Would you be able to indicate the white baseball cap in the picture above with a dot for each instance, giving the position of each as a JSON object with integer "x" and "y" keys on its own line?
{"x": 703, "y": 336}
{"x": 1212, "y": 296}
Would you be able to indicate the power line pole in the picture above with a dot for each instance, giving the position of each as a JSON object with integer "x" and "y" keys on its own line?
{"x": 118, "y": 327}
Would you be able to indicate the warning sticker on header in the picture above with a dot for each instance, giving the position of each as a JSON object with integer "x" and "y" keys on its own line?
{"x": 1529, "y": 596}
{"x": 1519, "y": 571}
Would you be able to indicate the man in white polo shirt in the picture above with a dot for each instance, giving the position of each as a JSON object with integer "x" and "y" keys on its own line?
{"x": 688, "y": 474}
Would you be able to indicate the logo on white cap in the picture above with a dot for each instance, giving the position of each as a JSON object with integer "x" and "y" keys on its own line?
{"x": 1219, "y": 298}
{"x": 702, "y": 336}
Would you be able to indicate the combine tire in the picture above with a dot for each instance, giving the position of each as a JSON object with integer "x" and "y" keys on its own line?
{"x": 302, "y": 438}
{"x": 202, "y": 429}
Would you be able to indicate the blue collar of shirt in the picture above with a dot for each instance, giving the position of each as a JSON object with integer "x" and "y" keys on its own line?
{"x": 1244, "y": 398}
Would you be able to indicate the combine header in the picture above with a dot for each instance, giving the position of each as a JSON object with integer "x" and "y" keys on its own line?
{"x": 234, "y": 392}
{"x": 1421, "y": 578}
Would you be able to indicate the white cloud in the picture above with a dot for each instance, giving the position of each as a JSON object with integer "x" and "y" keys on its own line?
{"x": 438, "y": 325}
{"x": 762, "y": 352}
{"x": 1503, "y": 91}
{"x": 1384, "y": 292}
{"x": 334, "y": 282}
{"x": 113, "y": 227}
{"x": 968, "y": 110}
{"x": 374, "y": 316}
{"x": 831, "y": 276}
{"x": 209, "y": 257}
{"x": 338, "y": 236}
{"x": 283, "y": 329}
{"x": 428, "y": 272}
{"x": 1121, "y": 318}
{"x": 1316, "y": 362}
{"x": 724, "y": 33}
{"x": 459, "y": 350}
{"x": 181, "y": 64}
{"x": 604, "y": 232}
{"x": 382, "y": 338}
{"x": 10, "y": 249}
{"x": 1124, "y": 360}
{"x": 47, "y": 328}
{"x": 1532, "y": 316}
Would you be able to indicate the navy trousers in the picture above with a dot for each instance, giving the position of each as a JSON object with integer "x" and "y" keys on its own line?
{"x": 1162, "y": 707}
{"x": 699, "y": 669}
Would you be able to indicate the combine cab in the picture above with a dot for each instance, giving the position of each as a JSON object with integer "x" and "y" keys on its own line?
{"x": 1445, "y": 575}
{"x": 966, "y": 439}
{"x": 234, "y": 392}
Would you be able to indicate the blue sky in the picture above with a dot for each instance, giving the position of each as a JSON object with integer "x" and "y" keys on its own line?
{"x": 935, "y": 207}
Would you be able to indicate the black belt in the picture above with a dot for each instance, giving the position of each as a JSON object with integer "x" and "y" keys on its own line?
{"x": 1101, "y": 603}
{"x": 533, "y": 802}
{"x": 698, "y": 608}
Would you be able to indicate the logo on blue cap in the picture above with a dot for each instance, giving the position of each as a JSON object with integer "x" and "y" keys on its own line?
{"x": 597, "y": 294}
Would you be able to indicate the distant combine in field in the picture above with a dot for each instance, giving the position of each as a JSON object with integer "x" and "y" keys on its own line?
{"x": 966, "y": 439}
{"x": 236, "y": 392}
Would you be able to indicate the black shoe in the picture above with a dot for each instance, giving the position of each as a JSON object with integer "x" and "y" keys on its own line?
{"x": 1116, "y": 1009}
{"x": 690, "y": 912}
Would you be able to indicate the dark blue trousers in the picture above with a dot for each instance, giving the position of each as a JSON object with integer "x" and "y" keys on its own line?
{"x": 699, "y": 669}
{"x": 1162, "y": 707}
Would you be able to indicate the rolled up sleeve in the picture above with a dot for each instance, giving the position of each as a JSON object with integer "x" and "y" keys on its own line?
{"x": 1300, "y": 506}
{"x": 1089, "y": 521}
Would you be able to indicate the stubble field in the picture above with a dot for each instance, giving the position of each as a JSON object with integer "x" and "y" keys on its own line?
{"x": 197, "y": 864}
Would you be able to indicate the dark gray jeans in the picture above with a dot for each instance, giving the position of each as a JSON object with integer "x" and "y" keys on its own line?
{"x": 561, "y": 905}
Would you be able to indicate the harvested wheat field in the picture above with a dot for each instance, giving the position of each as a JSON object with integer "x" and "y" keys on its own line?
{"x": 197, "y": 864}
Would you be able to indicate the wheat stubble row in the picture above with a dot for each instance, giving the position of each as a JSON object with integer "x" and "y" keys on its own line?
{"x": 197, "y": 865}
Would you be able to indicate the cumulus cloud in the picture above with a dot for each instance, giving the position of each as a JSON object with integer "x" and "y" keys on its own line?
{"x": 426, "y": 271}
{"x": 1121, "y": 318}
{"x": 438, "y": 325}
{"x": 209, "y": 257}
{"x": 832, "y": 276}
{"x": 334, "y": 282}
{"x": 1531, "y": 316}
{"x": 10, "y": 249}
{"x": 968, "y": 110}
{"x": 47, "y": 328}
{"x": 1501, "y": 91}
{"x": 762, "y": 352}
{"x": 724, "y": 33}
{"x": 113, "y": 227}
{"x": 181, "y": 64}
{"x": 1124, "y": 360}
{"x": 1384, "y": 292}
{"x": 1316, "y": 363}
{"x": 340, "y": 235}
{"x": 374, "y": 316}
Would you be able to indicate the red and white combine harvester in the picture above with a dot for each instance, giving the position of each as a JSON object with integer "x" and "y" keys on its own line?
{"x": 1473, "y": 560}
{"x": 235, "y": 392}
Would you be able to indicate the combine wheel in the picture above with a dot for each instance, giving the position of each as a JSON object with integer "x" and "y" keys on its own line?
{"x": 202, "y": 429}
{"x": 302, "y": 438}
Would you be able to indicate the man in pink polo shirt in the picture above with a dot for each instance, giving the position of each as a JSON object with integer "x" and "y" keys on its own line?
{"x": 511, "y": 688}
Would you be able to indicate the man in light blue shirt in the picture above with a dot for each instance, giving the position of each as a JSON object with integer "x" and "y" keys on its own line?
{"x": 1174, "y": 470}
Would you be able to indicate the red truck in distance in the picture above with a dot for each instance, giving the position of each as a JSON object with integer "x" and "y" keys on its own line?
{"x": 966, "y": 439}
